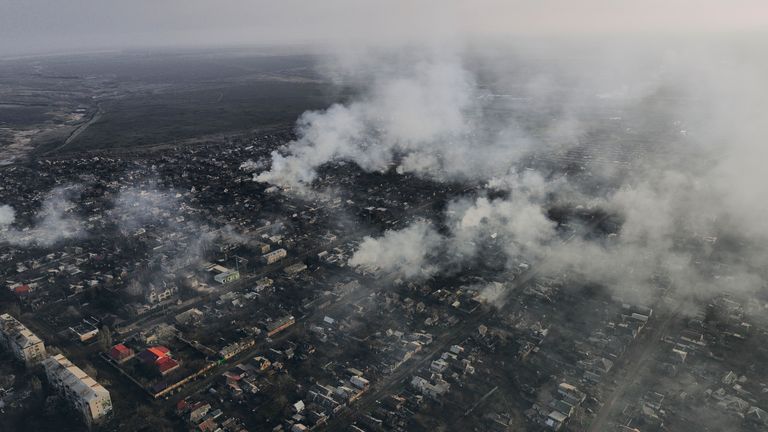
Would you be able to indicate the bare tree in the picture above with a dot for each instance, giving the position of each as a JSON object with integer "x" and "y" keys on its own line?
{"x": 105, "y": 338}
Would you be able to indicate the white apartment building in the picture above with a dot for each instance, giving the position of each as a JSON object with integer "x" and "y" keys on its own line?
{"x": 24, "y": 344}
{"x": 83, "y": 392}
{"x": 274, "y": 256}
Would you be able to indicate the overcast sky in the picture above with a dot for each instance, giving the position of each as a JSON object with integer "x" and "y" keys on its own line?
{"x": 42, "y": 26}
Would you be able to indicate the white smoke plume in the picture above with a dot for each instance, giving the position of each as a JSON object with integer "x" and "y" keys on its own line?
{"x": 135, "y": 207}
{"x": 164, "y": 212}
{"x": 519, "y": 225}
{"x": 56, "y": 221}
{"x": 7, "y": 215}
{"x": 428, "y": 117}
{"x": 407, "y": 253}
{"x": 434, "y": 118}
{"x": 493, "y": 292}
{"x": 250, "y": 165}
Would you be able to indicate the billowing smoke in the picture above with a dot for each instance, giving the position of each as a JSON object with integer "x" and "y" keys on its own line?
{"x": 408, "y": 253}
{"x": 55, "y": 221}
{"x": 184, "y": 239}
{"x": 7, "y": 215}
{"x": 428, "y": 118}
{"x": 519, "y": 228}
{"x": 667, "y": 139}
{"x": 433, "y": 118}
{"x": 493, "y": 292}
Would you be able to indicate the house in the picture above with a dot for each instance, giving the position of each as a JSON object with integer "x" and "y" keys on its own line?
{"x": 734, "y": 404}
{"x": 154, "y": 353}
{"x": 299, "y": 406}
{"x": 562, "y": 406}
{"x": 262, "y": 363}
{"x": 85, "y": 331}
{"x": 227, "y": 276}
{"x": 438, "y": 366}
{"x": 160, "y": 357}
{"x": 121, "y": 353}
{"x": 571, "y": 394}
{"x": 274, "y": 256}
{"x": 359, "y": 382}
{"x": 555, "y": 420}
{"x": 295, "y": 269}
{"x": 153, "y": 294}
{"x": 198, "y": 411}
{"x": 189, "y": 317}
{"x": 730, "y": 378}
{"x": 757, "y": 416}
{"x": 208, "y": 425}
{"x": 279, "y": 325}
{"x": 166, "y": 365}
{"x": 425, "y": 387}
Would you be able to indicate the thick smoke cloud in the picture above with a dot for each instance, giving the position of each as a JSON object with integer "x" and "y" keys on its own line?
{"x": 675, "y": 206}
{"x": 425, "y": 114}
{"x": 430, "y": 118}
{"x": 407, "y": 253}
{"x": 519, "y": 228}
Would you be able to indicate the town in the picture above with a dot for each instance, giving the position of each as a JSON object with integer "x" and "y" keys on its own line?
{"x": 156, "y": 289}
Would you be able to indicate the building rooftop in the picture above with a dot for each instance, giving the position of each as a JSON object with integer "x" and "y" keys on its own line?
{"x": 17, "y": 331}
{"x": 74, "y": 378}
{"x": 154, "y": 354}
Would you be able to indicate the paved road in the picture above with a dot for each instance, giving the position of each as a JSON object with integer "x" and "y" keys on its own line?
{"x": 636, "y": 358}
{"x": 80, "y": 129}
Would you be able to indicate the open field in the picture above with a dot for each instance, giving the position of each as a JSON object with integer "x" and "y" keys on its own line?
{"x": 130, "y": 99}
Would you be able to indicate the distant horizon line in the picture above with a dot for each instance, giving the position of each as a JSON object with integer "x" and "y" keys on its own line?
{"x": 315, "y": 46}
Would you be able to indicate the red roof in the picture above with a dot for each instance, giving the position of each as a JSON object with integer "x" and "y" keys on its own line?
{"x": 120, "y": 351}
{"x": 159, "y": 351}
{"x": 22, "y": 289}
{"x": 121, "y": 348}
{"x": 208, "y": 425}
{"x": 182, "y": 405}
{"x": 154, "y": 354}
{"x": 232, "y": 376}
{"x": 165, "y": 364}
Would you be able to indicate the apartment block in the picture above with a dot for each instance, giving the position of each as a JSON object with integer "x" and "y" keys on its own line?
{"x": 24, "y": 344}
{"x": 80, "y": 390}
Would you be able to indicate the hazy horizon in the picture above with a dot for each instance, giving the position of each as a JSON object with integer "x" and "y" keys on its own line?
{"x": 49, "y": 27}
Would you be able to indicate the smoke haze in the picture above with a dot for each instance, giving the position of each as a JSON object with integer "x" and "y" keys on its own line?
{"x": 696, "y": 110}
{"x": 664, "y": 104}
{"x": 55, "y": 221}
{"x": 55, "y": 26}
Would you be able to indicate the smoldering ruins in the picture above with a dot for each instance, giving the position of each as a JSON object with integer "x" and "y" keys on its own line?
{"x": 632, "y": 150}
